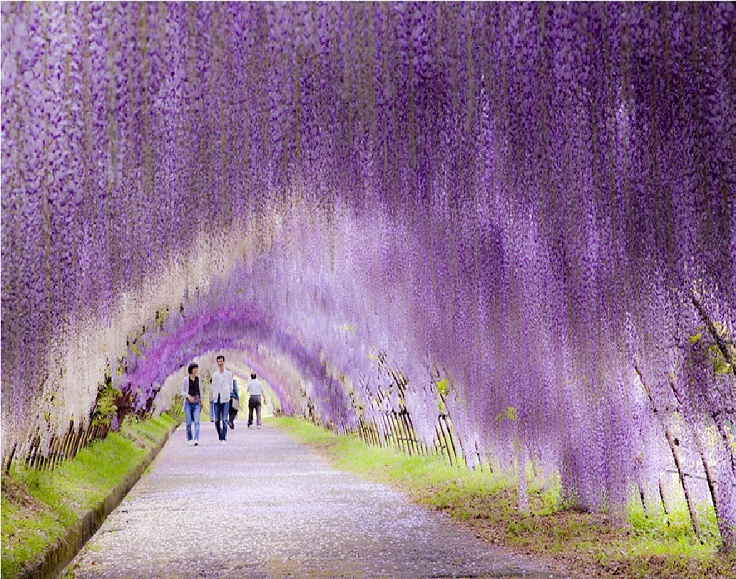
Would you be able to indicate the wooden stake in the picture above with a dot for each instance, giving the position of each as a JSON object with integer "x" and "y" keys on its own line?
{"x": 10, "y": 457}
{"x": 675, "y": 456}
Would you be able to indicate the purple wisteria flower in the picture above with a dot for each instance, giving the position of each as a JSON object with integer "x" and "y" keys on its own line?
{"x": 531, "y": 205}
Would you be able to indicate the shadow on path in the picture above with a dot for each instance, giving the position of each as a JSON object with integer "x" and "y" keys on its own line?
{"x": 263, "y": 506}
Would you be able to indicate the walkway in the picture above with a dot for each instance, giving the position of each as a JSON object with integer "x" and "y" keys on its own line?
{"x": 263, "y": 506}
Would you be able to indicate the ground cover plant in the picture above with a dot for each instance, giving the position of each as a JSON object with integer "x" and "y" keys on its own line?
{"x": 40, "y": 506}
{"x": 661, "y": 546}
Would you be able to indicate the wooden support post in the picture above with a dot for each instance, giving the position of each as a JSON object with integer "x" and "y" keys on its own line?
{"x": 397, "y": 431}
{"x": 405, "y": 433}
{"x": 451, "y": 438}
{"x": 389, "y": 430}
{"x": 441, "y": 431}
{"x": 410, "y": 440}
{"x": 9, "y": 460}
{"x": 421, "y": 446}
{"x": 87, "y": 434}
{"x": 64, "y": 447}
{"x": 35, "y": 462}
{"x": 412, "y": 433}
{"x": 68, "y": 441}
{"x": 32, "y": 452}
{"x": 720, "y": 342}
{"x": 642, "y": 498}
{"x": 675, "y": 455}
{"x": 381, "y": 439}
{"x": 29, "y": 453}
{"x": 701, "y": 451}
{"x": 723, "y": 347}
{"x": 59, "y": 450}
{"x": 661, "y": 497}
{"x": 710, "y": 479}
{"x": 77, "y": 441}
{"x": 49, "y": 462}
{"x": 376, "y": 435}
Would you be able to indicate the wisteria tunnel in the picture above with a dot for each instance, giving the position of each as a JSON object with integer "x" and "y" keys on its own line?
{"x": 513, "y": 225}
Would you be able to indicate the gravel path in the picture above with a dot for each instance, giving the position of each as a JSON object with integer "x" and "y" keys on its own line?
{"x": 264, "y": 506}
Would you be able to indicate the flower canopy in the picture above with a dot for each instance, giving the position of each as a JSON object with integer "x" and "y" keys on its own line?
{"x": 531, "y": 204}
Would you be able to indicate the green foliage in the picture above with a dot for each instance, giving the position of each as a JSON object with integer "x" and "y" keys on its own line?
{"x": 718, "y": 360}
{"x": 39, "y": 506}
{"x": 161, "y": 316}
{"x": 443, "y": 386}
{"x": 655, "y": 546}
{"x": 443, "y": 389}
{"x": 106, "y": 407}
{"x": 675, "y": 526}
{"x": 509, "y": 413}
{"x": 24, "y": 537}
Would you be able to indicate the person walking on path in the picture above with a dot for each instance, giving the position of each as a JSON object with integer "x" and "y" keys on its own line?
{"x": 191, "y": 389}
{"x": 212, "y": 405}
{"x": 222, "y": 382}
{"x": 234, "y": 404}
{"x": 256, "y": 397}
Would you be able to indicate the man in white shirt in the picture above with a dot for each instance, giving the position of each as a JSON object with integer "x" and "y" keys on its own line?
{"x": 222, "y": 383}
{"x": 255, "y": 399}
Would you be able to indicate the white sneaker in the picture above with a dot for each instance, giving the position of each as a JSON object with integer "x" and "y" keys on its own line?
{"x": 190, "y": 442}
{"x": 196, "y": 443}
{"x": 259, "y": 426}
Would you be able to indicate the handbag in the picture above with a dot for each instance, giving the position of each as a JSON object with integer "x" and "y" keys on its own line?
{"x": 235, "y": 404}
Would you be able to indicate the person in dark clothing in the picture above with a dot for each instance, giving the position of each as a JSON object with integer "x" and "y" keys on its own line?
{"x": 191, "y": 389}
{"x": 256, "y": 397}
{"x": 234, "y": 404}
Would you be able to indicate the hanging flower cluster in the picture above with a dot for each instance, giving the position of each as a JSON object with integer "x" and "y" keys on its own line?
{"x": 533, "y": 205}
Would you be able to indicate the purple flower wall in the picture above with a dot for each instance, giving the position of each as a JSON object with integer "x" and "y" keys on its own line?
{"x": 535, "y": 203}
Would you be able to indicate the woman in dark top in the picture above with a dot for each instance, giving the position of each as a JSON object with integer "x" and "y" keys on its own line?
{"x": 191, "y": 389}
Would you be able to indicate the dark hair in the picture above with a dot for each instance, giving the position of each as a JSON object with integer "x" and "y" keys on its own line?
{"x": 220, "y": 357}
{"x": 192, "y": 366}
{"x": 253, "y": 375}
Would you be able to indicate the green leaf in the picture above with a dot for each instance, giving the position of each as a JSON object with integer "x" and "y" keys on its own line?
{"x": 722, "y": 367}
{"x": 443, "y": 386}
{"x": 696, "y": 338}
{"x": 509, "y": 413}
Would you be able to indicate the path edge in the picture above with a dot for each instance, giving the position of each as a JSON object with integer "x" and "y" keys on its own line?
{"x": 52, "y": 562}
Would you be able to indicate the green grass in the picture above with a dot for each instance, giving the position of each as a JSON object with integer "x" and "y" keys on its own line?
{"x": 645, "y": 545}
{"x": 39, "y": 506}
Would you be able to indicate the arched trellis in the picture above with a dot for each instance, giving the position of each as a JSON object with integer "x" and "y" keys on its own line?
{"x": 534, "y": 201}
{"x": 152, "y": 357}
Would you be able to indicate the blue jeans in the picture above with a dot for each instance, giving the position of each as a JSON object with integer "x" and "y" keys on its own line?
{"x": 221, "y": 416}
{"x": 191, "y": 412}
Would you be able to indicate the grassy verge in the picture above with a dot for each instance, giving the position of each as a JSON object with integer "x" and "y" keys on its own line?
{"x": 655, "y": 547}
{"x": 38, "y": 507}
